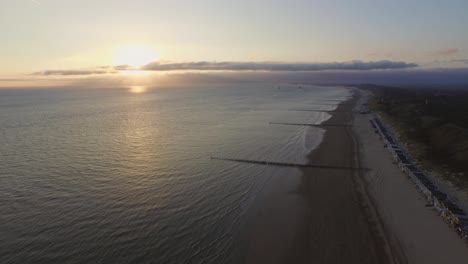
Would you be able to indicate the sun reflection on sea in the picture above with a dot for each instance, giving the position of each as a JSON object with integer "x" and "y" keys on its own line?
{"x": 137, "y": 89}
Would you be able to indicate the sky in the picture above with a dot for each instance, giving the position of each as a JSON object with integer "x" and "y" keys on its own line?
{"x": 55, "y": 42}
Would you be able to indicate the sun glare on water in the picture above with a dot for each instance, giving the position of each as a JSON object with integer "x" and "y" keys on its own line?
{"x": 137, "y": 89}
{"x": 135, "y": 56}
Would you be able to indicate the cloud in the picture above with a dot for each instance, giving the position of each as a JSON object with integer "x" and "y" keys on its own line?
{"x": 446, "y": 52}
{"x": 403, "y": 77}
{"x": 442, "y": 77}
{"x": 278, "y": 66}
{"x": 72, "y": 72}
{"x": 124, "y": 68}
{"x": 236, "y": 66}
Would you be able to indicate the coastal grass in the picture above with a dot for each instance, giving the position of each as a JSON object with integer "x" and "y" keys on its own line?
{"x": 432, "y": 124}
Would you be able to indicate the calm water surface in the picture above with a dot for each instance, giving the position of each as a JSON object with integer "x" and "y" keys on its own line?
{"x": 106, "y": 175}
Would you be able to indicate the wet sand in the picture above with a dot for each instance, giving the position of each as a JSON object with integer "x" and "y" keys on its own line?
{"x": 341, "y": 225}
{"x": 329, "y": 217}
{"x": 339, "y": 216}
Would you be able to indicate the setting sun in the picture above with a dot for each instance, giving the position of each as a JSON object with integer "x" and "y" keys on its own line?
{"x": 135, "y": 56}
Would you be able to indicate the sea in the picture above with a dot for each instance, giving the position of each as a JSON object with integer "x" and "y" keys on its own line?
{"x": 126, "y": 175}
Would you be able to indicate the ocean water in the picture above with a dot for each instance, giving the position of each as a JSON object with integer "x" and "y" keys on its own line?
{"x": 112, "y": 176}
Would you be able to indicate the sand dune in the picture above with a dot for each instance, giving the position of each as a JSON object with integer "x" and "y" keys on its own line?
{"x": 418, "y": 230}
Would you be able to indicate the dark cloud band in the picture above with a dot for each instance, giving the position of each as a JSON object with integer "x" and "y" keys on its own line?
{"x": 240, "y": 66}
{"x": 278, "y": 66}
{"x": 72, "y": 72}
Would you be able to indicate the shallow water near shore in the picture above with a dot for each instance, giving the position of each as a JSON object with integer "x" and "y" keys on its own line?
{"x": 108, "y": 175}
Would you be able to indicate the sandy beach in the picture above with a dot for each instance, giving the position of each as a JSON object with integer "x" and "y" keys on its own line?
{"x": 328, "y": 218}
{"x": 419, "y": 233}
{"x": 351, "y": 216}
{"x": 340, "y": 225}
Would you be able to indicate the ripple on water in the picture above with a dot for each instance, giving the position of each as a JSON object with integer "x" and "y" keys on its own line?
{"x": 107, "y": 176}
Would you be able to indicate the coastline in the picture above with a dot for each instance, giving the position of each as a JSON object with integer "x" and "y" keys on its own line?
{"x": 344, "y": 216}
{"x": 340, "y": 225}
{"x": 327, "y": 217}
{"x": 419, "y": 231}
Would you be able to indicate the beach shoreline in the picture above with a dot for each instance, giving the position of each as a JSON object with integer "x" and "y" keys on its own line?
{"x": 374, "y": 215}
{"x": 328, "y": 217}
{"x": 341, "y": 225}
{"x": 418, "y": 230}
